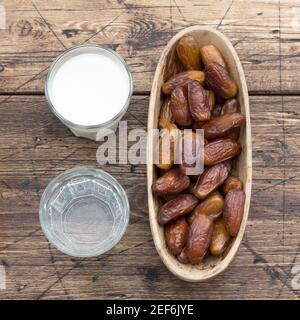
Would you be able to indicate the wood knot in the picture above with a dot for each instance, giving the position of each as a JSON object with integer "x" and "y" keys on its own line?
{"x": 151, "y": 274}
{"x": 69, "y": 33}
{"x": 36, "y": 29}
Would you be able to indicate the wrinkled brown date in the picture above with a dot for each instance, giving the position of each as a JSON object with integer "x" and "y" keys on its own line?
{"x": 220, "y": 150}
{"x": 234, "y": 210}
{"x": 230, "y": 106}
{"x": 175, "y": 208}
{"x": 182, "y": 79}
{"x": 220, "y": 238}
{"x": 210, "y": 180}
{"x": 198, "y": 101}
{"x": 209, "y": 53}
{"x": 171, "y": 182}
{"x": 231, "y": 182}
{"x": 176, "y": 235}
{"x": 212, "y": 206}
{"x": 223, "y": 125}
{"x": 220, "y": 82}
{"x": 199, "y": 238}
{"x": 165, "y": 117}
{"x": 188, "y": 53}
{"x": 180, "y": 108}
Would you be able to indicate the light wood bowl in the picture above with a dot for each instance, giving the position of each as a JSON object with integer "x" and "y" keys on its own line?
{"x": 167, "y": 66}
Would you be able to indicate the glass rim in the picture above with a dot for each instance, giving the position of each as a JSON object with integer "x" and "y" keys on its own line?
{"x": 58, "y": 181}
{"x": 73, "y": 124}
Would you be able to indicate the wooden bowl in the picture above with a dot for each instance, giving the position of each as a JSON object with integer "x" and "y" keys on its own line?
{"x": 167, "y": 66}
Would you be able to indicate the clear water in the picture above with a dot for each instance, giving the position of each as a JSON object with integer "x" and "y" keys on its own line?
{"x": 84, "y": 215}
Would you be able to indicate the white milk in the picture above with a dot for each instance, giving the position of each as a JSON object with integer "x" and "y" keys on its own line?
{"x": 90, "y": 88}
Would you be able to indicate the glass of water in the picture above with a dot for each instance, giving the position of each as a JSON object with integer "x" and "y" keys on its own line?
{"x": 84, "y": 212}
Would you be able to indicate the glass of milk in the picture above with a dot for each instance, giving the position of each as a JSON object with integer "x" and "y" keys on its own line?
{"x": 89, "y": 88}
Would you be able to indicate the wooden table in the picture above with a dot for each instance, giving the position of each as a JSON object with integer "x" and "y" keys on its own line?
{"x": 35, "y": 146}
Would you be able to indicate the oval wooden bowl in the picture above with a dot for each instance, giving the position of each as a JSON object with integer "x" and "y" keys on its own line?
{"x": 168, "y": 66}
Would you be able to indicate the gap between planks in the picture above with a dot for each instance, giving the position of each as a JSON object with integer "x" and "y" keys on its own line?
{"x": 147, "y": 93}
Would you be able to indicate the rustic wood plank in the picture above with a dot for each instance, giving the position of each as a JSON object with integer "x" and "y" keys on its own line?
{"x": 35, "y": 147}
{"x": 36, "y": 32}
{"x": 36, "y": 142}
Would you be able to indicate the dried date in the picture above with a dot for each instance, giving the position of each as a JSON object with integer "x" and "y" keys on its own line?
{"x": 198, "y": 102}
{"x": 234, "y": 210}
{"x": 223, "y": 125}
{"x": 220, "y": 150}
{"x": 182, "y": 79}
{"x": 172, "y": 182}
{"x": 199, "y": 238}
{"x": 188, "y": 53}
{"x": 210, "y": 180}
{"x": 180, "y": 108}
{"x": 175, "y": 208}
{"x": 176, "y": 235}
{"x": 219, "y": 80}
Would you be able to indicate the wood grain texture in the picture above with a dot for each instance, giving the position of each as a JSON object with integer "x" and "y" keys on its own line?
{"x": 35, "y": 147}
{"x": 264, "y": 34}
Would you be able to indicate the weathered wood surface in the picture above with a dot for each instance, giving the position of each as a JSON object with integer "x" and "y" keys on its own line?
{"x": 264, "y": 33}
{"x": 35, "y": 147}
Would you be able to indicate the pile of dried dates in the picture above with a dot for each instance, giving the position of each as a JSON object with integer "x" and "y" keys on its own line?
{"x": 201, "y": 214}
